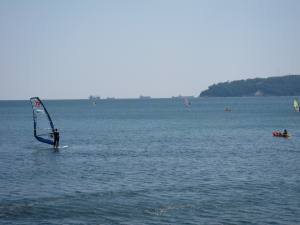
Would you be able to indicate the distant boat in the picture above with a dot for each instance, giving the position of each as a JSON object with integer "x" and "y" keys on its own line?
{"x": 145, "y": 97}
{"x": 94, "y": 99}
{"x": 187, "y": 102}
{"x": 296, "y": 105}
{"x": 227, "y": 109}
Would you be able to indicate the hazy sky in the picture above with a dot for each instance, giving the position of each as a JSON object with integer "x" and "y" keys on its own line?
{"x": 127, "y": 48}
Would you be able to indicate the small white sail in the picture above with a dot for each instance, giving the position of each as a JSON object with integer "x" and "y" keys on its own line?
{"x": 187, "y": 103}
{"x": 296, "y": 105}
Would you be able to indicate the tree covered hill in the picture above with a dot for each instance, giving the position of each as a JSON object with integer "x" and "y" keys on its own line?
{"x": 272, "y": 86}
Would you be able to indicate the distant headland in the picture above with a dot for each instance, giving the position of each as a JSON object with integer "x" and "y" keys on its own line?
{"x": 273, "y": 86}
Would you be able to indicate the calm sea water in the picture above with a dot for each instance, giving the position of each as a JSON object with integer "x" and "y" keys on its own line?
{"x": 152, "y": 162}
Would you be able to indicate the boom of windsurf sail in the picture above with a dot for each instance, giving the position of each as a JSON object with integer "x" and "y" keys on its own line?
{"x": 296, "y": 105}
{"x": 43, "y": 127}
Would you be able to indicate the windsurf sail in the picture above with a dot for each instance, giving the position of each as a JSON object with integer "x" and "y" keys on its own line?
{"x": 187, "y": 103}
{"x": 296, "y": 105}
{"x": 43, "y": 127}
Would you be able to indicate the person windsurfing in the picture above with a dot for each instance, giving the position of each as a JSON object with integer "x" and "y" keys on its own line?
{"x": 285, "y": 133}
{"x": 56, "y": 138}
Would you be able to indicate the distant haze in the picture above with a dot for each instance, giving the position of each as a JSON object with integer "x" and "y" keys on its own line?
{"x": 162, "y": 48}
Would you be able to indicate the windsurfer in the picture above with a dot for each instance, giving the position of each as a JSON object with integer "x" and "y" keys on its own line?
{"x": 56, "y": 138}
{"x": 285, "y": 133}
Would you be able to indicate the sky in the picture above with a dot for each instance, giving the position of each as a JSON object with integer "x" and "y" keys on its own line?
{"x": 61, "y": 49}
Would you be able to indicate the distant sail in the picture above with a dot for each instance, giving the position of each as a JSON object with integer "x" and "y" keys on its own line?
{"x": 43, "y": 127}
{"x": 187, "y": 103}
{"x": 296, "y": 105}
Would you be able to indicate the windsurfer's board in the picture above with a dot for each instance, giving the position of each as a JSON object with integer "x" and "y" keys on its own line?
{"x": 61, "y": 147}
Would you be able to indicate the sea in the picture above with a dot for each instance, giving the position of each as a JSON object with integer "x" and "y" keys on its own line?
{"x": 152, "y": 161}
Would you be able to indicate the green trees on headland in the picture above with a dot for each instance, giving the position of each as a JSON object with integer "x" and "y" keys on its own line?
{"x": 272, "y": 86}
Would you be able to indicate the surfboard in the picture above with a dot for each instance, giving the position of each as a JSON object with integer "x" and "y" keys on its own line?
{"x": 62, "y": 147}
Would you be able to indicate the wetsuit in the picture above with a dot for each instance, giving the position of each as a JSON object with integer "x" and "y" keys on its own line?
{"x": 56, "y": 139}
